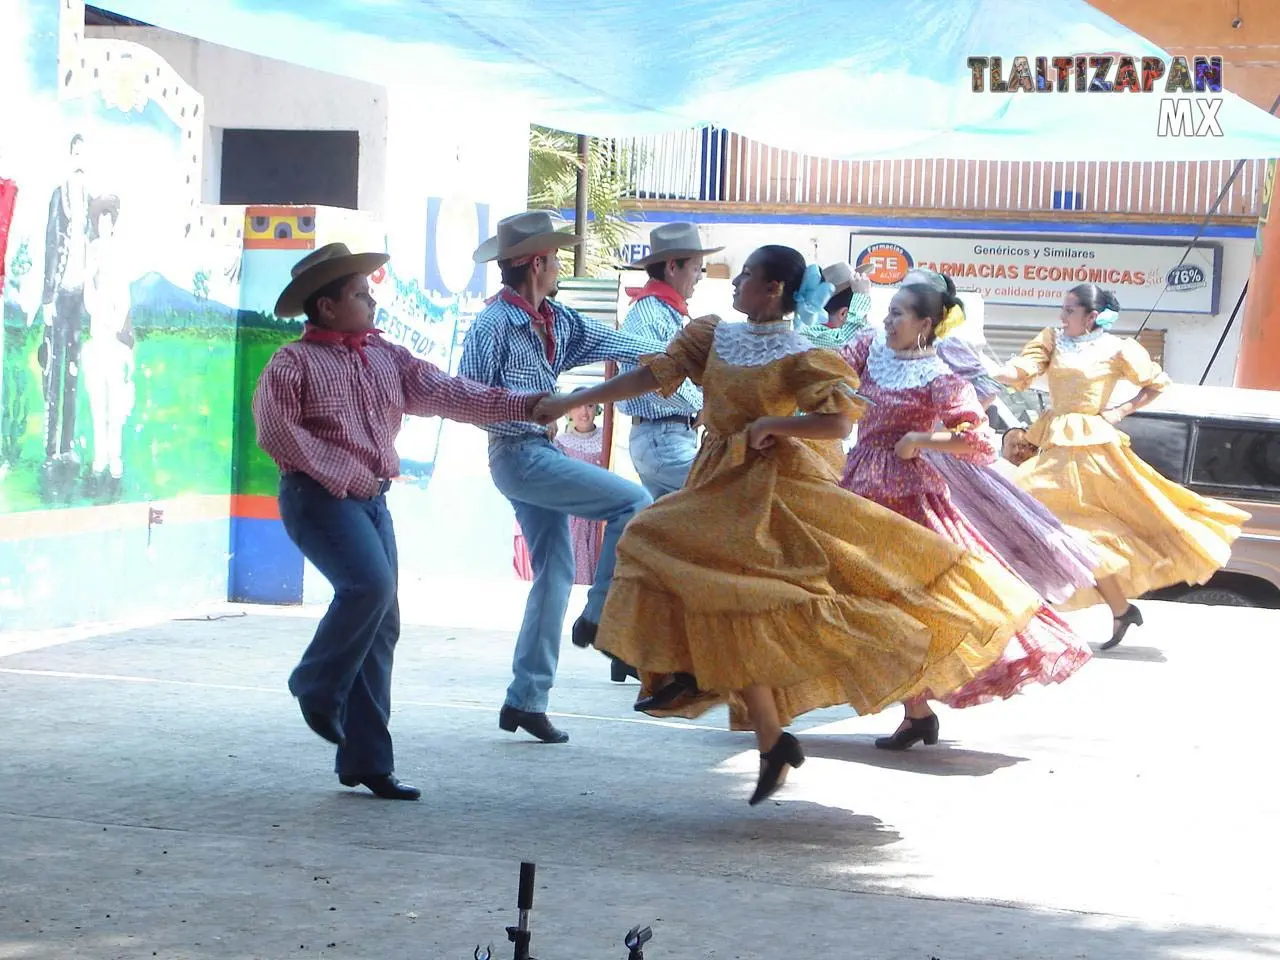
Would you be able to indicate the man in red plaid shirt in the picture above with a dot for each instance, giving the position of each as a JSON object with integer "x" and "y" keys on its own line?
{"x": 328, "y": 408}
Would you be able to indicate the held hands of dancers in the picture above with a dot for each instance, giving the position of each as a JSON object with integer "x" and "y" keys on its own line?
{"x": 944, "y": 441}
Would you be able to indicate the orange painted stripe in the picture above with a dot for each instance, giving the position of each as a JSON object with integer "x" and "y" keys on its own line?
{"x": 37, "y": 524}
{"x": 298, "y": 243}
{"x": 246, "y": 507}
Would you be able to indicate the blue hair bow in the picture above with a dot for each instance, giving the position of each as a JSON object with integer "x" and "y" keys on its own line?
{"x": 1106, "y": 319}
{"x": 812, "y": 297}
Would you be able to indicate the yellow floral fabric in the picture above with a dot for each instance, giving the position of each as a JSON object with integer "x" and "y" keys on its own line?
{"x": 762, "y": 570}
{"x": 1150, "y": 532}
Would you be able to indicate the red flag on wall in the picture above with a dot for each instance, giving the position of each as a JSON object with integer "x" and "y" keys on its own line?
{"x": 8, "y": 194}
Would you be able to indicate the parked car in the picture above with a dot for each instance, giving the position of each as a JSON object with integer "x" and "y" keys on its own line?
{"x": 1221, "y": 442}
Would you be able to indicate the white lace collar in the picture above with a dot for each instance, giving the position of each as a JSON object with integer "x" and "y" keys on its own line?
{"x": 1069, "y": 344}
{"x": 582, "y": 442}
{"x": 757, "y": 344}
{"x": 888, "y": 369}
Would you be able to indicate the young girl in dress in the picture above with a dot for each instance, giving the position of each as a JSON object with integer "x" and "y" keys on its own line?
{"x": 913, "y": 390}
{"x": 1150, "y": 532}
{"x": 581, "y": 439}
{"x": 779, "y": 591}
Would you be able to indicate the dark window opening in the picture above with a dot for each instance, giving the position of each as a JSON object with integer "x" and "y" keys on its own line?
{"x": 1237, "y": 456}
{"x": 1161, "y": 443}
{"x": 302, "y": 167}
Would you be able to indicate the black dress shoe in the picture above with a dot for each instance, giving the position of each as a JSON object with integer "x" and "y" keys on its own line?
{"x": 511, "y": 720}
{"x": 1132, "y": 617}
{"x": 917, "y": 730}
{"x": 384, "y": 785}
{"x": 584, "y": 632}
{"x": 662, "y": 698}
{"x": 325, "y": 726}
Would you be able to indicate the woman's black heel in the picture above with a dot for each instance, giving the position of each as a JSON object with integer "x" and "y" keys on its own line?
{"x": 785, "y": 753}
{"x": 680, "y": 685}
{"x": 1132, "y": 617}
{"x": 917, "y": 730}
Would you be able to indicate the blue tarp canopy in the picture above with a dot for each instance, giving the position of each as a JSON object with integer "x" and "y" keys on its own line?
{"x": 856, "y": 79}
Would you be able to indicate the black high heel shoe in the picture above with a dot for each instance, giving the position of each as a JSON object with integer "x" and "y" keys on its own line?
{"x": 1132, "y": 617}
{"x": 783, "y": 754}
{"x": 679, "y": 685}
{"x": 918, "y": 730}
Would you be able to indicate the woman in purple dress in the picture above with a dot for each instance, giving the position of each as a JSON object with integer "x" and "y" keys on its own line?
{"x": 1029, "y": 538}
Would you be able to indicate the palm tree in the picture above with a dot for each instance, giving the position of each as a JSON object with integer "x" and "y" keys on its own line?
{"x": 553, "y": 185}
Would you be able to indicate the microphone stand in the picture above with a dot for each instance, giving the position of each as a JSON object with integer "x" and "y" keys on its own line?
{"x": 520, "y": 935}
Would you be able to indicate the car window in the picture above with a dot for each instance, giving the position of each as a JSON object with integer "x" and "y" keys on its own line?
{"x": 1161, "y": 442}
{"x": 1238, "y": 456}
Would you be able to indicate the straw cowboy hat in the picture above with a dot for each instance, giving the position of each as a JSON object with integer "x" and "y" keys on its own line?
{"x": 839, "y": 275}
{"x": 524, "y": 235}
{"x": 673, "y": 241}
{"x": 320, "y": 268}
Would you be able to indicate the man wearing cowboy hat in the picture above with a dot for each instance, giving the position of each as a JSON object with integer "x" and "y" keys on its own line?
{"x": 846, "y": 310}
{"x": 328, "y": 408}
{"x": 663, "y": 439}
{"x": 524, "y": 340}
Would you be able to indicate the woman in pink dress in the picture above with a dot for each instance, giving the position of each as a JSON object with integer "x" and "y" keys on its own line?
{"x": 582, "y": 440}
{"x": 913, "y": 390}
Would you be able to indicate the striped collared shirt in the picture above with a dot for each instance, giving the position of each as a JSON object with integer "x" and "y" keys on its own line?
{"x": 503, "y": 350}
{"x": 651, "y": 319}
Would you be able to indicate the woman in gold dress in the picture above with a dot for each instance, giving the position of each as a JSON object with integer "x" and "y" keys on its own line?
{"x": 779, "y": 591}
{"x": 1150, "y": 532}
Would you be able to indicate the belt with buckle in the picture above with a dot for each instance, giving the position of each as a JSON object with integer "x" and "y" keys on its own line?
{"x": 674, "y": 418}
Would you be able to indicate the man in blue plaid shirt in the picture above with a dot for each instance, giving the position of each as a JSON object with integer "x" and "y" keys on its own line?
{"x": 523, "y": 340}
{"x": 663, "y": 439}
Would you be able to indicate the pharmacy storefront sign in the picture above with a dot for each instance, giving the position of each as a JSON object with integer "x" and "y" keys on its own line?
{"x": 1036, "y": 271}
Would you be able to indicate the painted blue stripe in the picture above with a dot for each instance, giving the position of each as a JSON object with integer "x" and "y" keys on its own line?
{"x": 979, "y": 227}
{"x": 266, "y": 567}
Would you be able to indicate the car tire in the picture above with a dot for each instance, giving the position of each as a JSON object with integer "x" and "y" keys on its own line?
{"x": 1216, "y": 597}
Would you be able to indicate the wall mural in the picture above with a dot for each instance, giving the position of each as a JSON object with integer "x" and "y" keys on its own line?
{"x": 120, "y": 300}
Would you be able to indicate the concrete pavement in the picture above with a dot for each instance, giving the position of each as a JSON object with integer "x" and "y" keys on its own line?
{"x": 160, "y": 796}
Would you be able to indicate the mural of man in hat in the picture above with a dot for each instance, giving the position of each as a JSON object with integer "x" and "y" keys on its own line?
{"x": 524, "y": 340}
{"x": 663, "y": 439}
{"x": 328, "y": 408}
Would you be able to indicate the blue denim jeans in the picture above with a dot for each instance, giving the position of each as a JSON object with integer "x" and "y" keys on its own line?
{"x": 346, "y": 670}
{"x": 546, "y": 487}
{"x": 662, "y": 454}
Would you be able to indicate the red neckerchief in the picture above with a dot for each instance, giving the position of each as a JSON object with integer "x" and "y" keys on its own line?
{"x": 543, "y": 319}
{"x": 352, "y": 341}
{"x": 664, "y": 292}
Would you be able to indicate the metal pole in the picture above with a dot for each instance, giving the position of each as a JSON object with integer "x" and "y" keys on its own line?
{"x": 580, "y": 208}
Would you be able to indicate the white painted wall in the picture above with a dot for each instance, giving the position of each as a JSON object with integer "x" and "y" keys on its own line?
{"x": 1189, "y": 342}
{"x": 247, "y": 92}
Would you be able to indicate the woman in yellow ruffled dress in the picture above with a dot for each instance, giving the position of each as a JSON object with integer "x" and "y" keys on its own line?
{"x": 1151, "y": 532}
{"x": 763, "y": 579}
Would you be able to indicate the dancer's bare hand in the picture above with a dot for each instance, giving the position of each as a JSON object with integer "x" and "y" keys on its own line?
{"x": 908, "y": 448}
{"x": 760, "y": 435}
{"x": 861, "y": 283}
